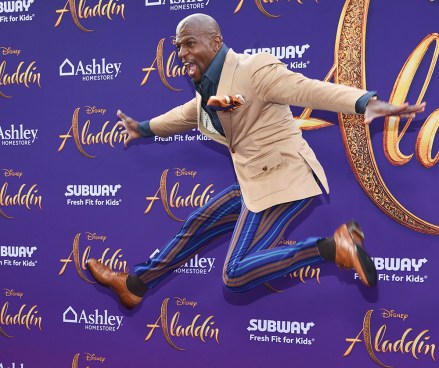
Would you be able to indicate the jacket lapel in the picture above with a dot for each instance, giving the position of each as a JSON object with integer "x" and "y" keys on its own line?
{"x": 225, "y": 88}
{"x": 216, "y": 137}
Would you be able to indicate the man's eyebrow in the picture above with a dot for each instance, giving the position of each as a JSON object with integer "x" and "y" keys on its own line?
{"x": 184, "y": 39}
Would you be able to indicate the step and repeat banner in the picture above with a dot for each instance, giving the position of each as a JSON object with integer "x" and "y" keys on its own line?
{"x": 70, "y": 189}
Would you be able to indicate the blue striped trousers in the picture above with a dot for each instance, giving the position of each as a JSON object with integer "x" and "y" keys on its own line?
{"x": 254, "y": 256}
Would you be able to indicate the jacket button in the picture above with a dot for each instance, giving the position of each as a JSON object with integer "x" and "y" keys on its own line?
{"x": 265, "y": 168}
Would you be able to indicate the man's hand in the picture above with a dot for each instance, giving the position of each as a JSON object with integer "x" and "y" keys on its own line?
{"x": 131, "y": 127}
{"x": 377, "y": 109}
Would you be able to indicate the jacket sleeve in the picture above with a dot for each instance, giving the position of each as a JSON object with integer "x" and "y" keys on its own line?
{"x": 178, "y": 120}
{"x": 274, "y": 83}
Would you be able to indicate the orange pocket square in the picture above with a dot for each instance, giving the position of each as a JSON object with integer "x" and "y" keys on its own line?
{"x": 225, "y": 103}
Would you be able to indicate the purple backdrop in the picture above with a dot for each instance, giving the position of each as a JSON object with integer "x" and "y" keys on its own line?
{"x": 69, "y": 189}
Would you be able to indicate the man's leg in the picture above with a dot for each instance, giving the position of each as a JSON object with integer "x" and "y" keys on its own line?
{"x": 254, "y": 257}
{"x": 218, "y": 216}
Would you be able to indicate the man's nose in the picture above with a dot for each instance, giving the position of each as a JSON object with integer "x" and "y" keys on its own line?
{"x": 182, "y": 52}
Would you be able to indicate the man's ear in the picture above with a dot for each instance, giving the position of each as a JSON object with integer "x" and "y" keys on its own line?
{"x": 217, "y": 42}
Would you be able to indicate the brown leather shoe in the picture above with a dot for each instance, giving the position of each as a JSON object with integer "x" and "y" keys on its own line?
{"x": 116, "y": 281}
{"x": 350, "y": 254}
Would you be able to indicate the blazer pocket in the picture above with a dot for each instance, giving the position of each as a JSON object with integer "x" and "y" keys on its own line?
{"x": 263, "y": 164}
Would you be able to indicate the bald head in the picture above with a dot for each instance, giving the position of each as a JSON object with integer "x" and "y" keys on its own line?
{"x": 202, "y": 22}
{"x": 198, "y": 39}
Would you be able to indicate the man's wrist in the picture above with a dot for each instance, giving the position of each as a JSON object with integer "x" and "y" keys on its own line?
{"x": 145, "y": 129}
{"x": 373, "y": 98}
{"x": 361, "y": 104}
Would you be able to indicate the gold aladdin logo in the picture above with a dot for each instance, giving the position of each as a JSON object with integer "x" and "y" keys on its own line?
{"x": 197, "y": 198}
{"x": 165, "y": 68}
{"x": 410, "y": 342}
{"x": 306, "y": 273}
{"x": 110, "y": 259}
{"x": 198, "y": 328}
{"x": 349, "y": 69}
{"x": 26, "y": 196}
{"x": 81, "y": 10}
{"x": 260, "y": 5}
{"x": 24, "y": 74}
{"x": 303, "y": 275}
{"x": 108, "y": 134}
{"x": 24, "y": 317}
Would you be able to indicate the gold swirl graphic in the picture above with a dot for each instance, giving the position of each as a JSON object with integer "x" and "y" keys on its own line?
{"x": 164, "y": 318}
{"x": 392, "y": 136}
{"x": 263, "y": 11}
{"x": 75, "y": 362}
{"x": 161, "y": 70}
{"x": 4, "y": 96}
{"x": 350, "y": 70}
{"x": 259, "y": 6}
{"x": 163, "y": 194}
{"x": 75, "y": 17}
{"x": 76, "y": 259}
{"x": 5, "y": 334}
{"x": 368, "y": 337}
{"x": 75, "y": 127}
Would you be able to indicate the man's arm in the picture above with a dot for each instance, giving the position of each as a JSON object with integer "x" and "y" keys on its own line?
{"x": 177, "y": 120}
{"x": 275, "y": 83}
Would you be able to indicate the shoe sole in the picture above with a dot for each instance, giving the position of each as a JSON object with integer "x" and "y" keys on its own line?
{"x": 367, "y": 266}
{"x": 366, "y": 263}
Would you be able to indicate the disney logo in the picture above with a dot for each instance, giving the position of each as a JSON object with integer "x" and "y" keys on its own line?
{"x": 94, "y": 110}
{"x": 94, "y": 357}
{"x": 184, "y": 172}
{"x": 392, "y": 314}
{"x": 9, "y": 51}
{"x": 93, "y": 236}
{"x": 10, "y": 172}
{"x": 11, "y": 292}
{"x": 184, "y": 302}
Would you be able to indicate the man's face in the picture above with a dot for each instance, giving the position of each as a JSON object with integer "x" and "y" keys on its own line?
{"x": 196, "y": 49}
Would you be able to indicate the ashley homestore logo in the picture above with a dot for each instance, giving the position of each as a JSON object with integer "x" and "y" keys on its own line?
{"x": 179, "y": 4}
{"x": 94, "y": 70}
{"x": 93, "y": 321}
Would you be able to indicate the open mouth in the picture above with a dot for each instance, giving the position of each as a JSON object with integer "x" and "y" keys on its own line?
{"x": 191, "y": 68}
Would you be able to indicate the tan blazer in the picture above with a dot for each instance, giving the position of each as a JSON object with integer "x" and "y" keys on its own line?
{"x": 272, "y": 162}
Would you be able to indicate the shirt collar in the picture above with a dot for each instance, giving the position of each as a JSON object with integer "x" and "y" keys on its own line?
{"x": 213, "y": 72}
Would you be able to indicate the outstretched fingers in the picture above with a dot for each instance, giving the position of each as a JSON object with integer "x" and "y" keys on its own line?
{"x": 121, "y": 115}
{"x": 124, "y": 131}
{"x": 380, "y": 108}
{"x": 413, "y": 109}
{"x": 130, "y": 127}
